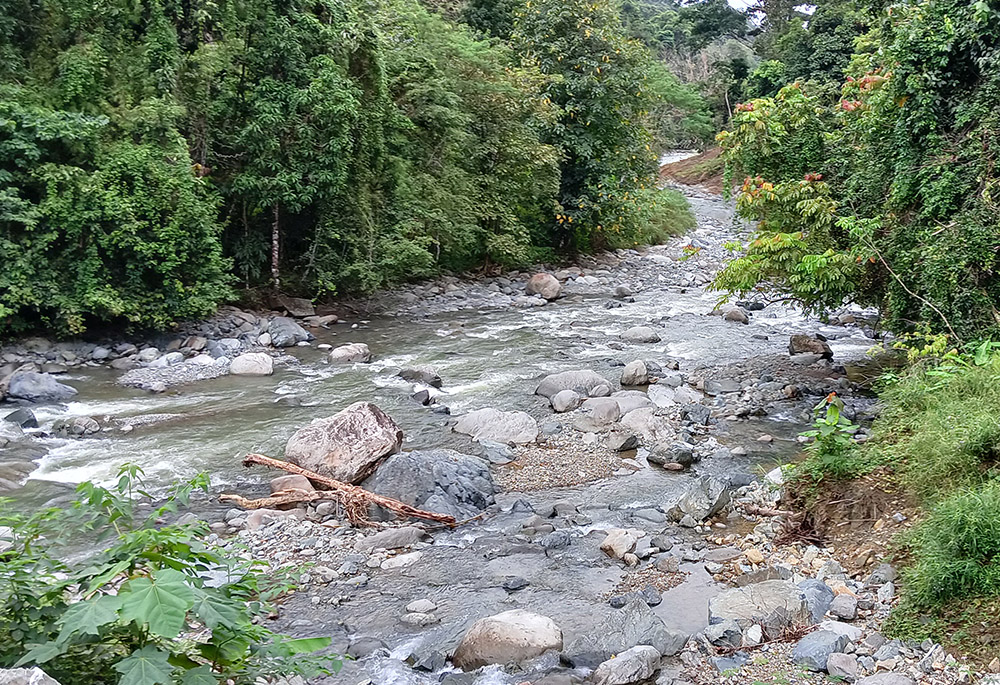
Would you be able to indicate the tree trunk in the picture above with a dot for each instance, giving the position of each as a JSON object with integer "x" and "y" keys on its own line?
{"x": 275, "y": 254}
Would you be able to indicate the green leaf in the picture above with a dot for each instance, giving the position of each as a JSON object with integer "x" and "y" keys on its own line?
{"x": 214, "y": 610}
{"x": 40, "y": 654}
{"x": 199, "y": 676}
{"x": 161, "y": 602}
{"x": 106, "y": 575}
{"x": 147, "y": 666}
{"x": 306, "y": 645}
{"x": 87, "y": 616}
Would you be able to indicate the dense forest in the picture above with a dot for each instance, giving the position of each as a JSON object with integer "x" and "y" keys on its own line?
{"x": 157, "y": 155}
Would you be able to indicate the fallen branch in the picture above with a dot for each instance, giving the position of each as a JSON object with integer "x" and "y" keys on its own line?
{"x": 291, "y": 496}
{"x": 355, "y": 499}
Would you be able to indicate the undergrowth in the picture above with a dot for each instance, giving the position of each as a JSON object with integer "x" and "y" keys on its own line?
{"x": 940, "y": 432}
{"x": 155, "y": 604}
{"x": 666, "y": 214}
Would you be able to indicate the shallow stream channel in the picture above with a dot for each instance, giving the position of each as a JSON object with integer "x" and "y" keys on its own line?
{"x": 538, "y": 547}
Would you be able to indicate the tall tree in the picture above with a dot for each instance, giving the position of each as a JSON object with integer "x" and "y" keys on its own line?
{"x": 598, "y": 80}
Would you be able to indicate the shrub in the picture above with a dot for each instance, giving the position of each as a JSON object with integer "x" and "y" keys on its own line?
{"x": 156, "y": 604}
{"x": 664, "y": 214}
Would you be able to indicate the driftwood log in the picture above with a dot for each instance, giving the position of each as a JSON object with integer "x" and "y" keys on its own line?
{"x": 354, "y": 499}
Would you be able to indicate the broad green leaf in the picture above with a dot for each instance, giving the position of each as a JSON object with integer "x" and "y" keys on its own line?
{"x": 106, "y": 576}
{"x": 306, "y": 645}
{"x": 161, "y": 602}
{"x": 199, "y": 676}
{"x": 40, "y": 654}
{"x": 147, "y": 666}
{"x": 87, "y": 616}
{"x": 215, "y": 610}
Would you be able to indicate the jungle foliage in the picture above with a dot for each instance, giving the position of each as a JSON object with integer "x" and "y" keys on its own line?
{"x": 886, "y": 193}
{"x": 157, "y": 155}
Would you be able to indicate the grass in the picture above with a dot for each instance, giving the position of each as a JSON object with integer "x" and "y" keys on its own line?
{"x": 942, "y": 426}
{"x": 670, "y": 215}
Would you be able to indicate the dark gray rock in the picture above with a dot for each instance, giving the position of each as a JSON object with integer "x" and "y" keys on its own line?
{"x": 285, "y": 332}
{"x": 514, "y": 584}
{"x": 497, "y": 452}
{"x": 421, "y": 375}
{"x": 23, "y": 417}
{"x": 622, "y": 629}
{"x": 726, "y": 633}
{"x": 38, "y": 387}
{"x": 813, "y": 650}
{"x": 733, "y": 662}
{"x": 844, "y": 606}
{"x": 438, "y": 480}
{"x": 557, "y": 539}
{"x": 807, "y": 344}
{"x": 818, "y": 597}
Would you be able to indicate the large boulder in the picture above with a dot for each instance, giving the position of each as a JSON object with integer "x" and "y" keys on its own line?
{"x": 630, "y": 400}
{"x": 347, "y": 446}
{"x": 38, "y": 387}
{"x": 285, "y": 332}
{"x": 546, "y": 285}
{"x": 635, "y": 665}
{"x": 511, "y": 637}
{"x": 76, "y": 426}
{"x": 640, "y": 334}
{"x": 566, "y": 400}
{"x": 351, "y": 352}
{"x": 438, "y": 480}
{"x": 632, "y": 625}
{"x": 807, "y": 344}
{"x": 296, "y": 306}
{"x": 583, "y": 380}
{"x": 644, "y": 422}
{"x": 601, "y": 412}
{"x": 252, "y": 364}
{"x": 635, "y": 373}
{"x": 23, "y": 417}
{"x": 26, "y": 676}
{"x": 705, "y": 498}
{"x": 498, "y": 426}
{"x": 775, "y": 604}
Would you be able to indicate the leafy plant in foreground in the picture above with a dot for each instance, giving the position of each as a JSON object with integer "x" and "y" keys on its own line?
{"x": 156, "y": 605}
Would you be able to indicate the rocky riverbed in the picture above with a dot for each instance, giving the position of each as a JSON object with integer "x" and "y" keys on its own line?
{"x": 601, "y": 430}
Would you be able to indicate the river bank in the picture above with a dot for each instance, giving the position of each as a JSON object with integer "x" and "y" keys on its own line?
{"x": 726, "y": 404}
